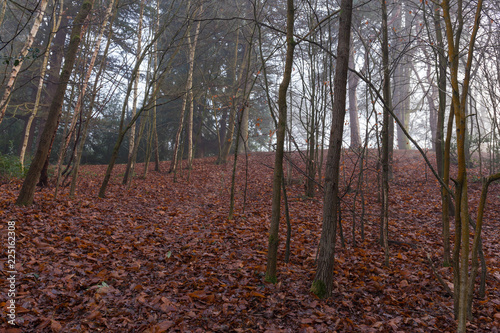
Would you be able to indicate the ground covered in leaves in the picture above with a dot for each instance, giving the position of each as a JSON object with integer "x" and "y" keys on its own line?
{"x": 162, "y": 256}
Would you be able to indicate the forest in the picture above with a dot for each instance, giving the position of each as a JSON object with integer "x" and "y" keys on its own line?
{"x": 250, "y": 166}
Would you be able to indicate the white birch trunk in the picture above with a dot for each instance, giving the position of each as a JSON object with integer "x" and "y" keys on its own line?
{"x": 136, "y": 84}
{"x": 17, "y": 67}
{"x": 43, "y": 70}
{"x": 192, "y": 52}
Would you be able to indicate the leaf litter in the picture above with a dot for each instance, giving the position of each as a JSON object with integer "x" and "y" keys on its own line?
{"x": 163, "y": 257}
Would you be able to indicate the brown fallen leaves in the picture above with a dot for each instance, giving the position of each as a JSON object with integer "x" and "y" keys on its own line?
{"x": 162, "y": 256}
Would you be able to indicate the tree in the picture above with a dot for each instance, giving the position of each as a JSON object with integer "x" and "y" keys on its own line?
{"x": 152, "y": 89}
{"x": 234, "y": 78}
{"x": 131, "y": 157}
{"x": 322, "y": 285}
{"x": 386, "y": 138}
{"x": 55, "y": 65}
{"x": 192, "y": 51}
{"x": 188, "y": 96}
{"x": 402, "y": 71}
{"x": 461, "y": 252}
{"x": 4, "y": 102}
{"x": 353, "y": 81}
{"x": 28, "y": 189}
{"x": 79, "y": 103}
{"x": 272, "y": 252}
{"x": 56, "y": 22}
{"x": 442, "y": 144}
{"x": 90, "y": 110}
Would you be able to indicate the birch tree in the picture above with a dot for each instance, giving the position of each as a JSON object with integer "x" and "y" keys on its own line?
{"x": 79, "y": 103}
{"x": 187, "y": 97}
{"x": 28, "y": 189}
{"x": 152, "y": 89}
{"x": 131, "y": 160}
{"x": 56, "y": 21}
{"x": 16, "y": 67}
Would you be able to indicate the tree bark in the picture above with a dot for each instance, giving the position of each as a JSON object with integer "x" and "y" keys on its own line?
{"x": 477, "y": 238}
{"x": 2, "y": 11}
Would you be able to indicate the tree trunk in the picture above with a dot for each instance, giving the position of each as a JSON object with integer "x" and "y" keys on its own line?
{"x": 310, "y": 126}
{"x": 243, "y": 143}
{"x": 229, "y": 131}
{"x": 28, "y": 189}
{"x": 88, "y": 118}
{"x": 322, "y": 285}
{"x": 442, "y": 154}
{"x": 124, "y": 129}
{"x": 353, "y": 81}
{"x": 131, "y": 162}
{"x": 56, "y": 58}
{"x": 477, "y": 238}
{"x": 386, "y": 138}
{"x": 78, "y": 154}
{"x": 187, "y": 96}
{"x": 459, "y": 99}
{"x": 81, "y": 95}
{"x": 56, "y": 19}
{"x": 175, "y": 155}
{"x": 272, "y": 254}
{"x": 192, "y": 51}
{"x": 155, "y": 66}
{"x": 149, "y": 143}
{"x": 401, "y": 103}
{"x": 2, "y": 11}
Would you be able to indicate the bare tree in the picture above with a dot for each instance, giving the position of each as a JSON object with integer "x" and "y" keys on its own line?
{"x": 28, "y": 189}
{"x": 323, "y": 282}
{"x": 461, "y": 254}
{"x": 16, "y": 67}
{"x": 272, "y": 252}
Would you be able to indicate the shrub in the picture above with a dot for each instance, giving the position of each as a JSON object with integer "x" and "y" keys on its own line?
{"x": 10, "y": 168}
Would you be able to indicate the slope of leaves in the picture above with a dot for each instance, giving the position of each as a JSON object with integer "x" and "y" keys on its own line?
{"x": 163, "y": 257}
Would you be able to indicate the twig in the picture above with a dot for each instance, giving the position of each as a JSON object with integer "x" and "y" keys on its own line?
{"x": 440, "y": 279}
{"x": 391, "y": 241}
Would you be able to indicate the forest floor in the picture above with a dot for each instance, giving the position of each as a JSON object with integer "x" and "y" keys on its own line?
{"x": 162, "y": 256}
